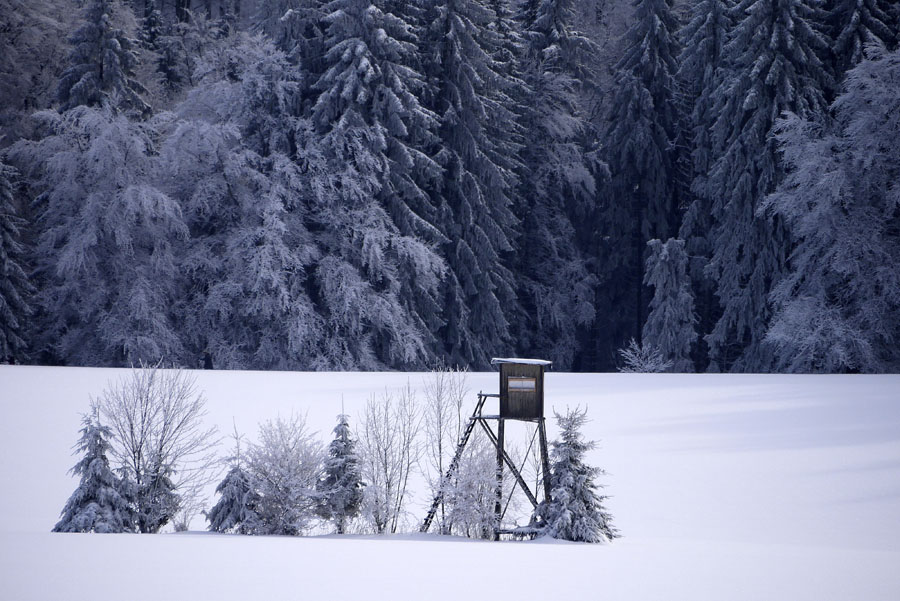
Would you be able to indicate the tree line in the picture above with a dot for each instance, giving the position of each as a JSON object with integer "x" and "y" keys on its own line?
{"x": 368, "y": 185}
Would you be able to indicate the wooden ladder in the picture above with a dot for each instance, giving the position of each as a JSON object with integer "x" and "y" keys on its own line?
{"x": 464, "y": 439}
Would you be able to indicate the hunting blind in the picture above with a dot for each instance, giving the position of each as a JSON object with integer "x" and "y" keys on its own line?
{"x": 521, "y": 399}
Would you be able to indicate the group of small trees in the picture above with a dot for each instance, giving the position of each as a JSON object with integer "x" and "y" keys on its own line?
{"x": 147, "y": 467}
{"x": 147, "y": 455}
{"x": 285, "y": 481}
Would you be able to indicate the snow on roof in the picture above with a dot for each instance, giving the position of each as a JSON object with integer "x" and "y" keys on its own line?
{"x": 496, "y": 360}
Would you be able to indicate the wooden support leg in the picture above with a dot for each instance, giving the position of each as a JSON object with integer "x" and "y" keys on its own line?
{"x": 498, "y": 504}
{"x": 545, "y": 459}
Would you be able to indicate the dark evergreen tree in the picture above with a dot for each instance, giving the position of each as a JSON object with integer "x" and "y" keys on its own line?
{"x": 157, "y": 502}
{"x": 477, "y": 148}
{"x": 641, "y": 204}
{"x": 852, "y": 24}
{"x": 296, "y": 27}
{"x": 15, "y": 286}
{"x": 98, "y": 504}
{"x": 101, "y": 66}
{"x": 699, "y": 72}
{"x": 558, "y": 186}
{"x": 774, "y": 65}
{"x": 236, "y": 509}
{"x": 575, "y": 509}
{"x": 341, "y": 486}
{"x": 152, "y": 28}
{"x": 670, "y": 325}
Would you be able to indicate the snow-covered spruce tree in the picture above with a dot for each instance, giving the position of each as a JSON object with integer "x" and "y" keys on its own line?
{"x": 558, "y": 186}
{"x": 98, "y": 504}
{"x": 15, "y": 286}
{"x": 852, "y": 24}
{"x": 236, "y": 510}
{"x": 341, "y": 486}
{"x": 233, "y": 162}
{"x": 774, "y": 66}
{"x": 477, "y": 147}
{"x": 575, "y": 509}
{"x": 365, "y": 114}
{"x": 284, "y": 467}
{"x": 101, "y": 66}
{"x": 640, "y": 201}
{"x": 107, "y": 241}
{"x": 838, "y": 306}
{"x": 670, "y": 325}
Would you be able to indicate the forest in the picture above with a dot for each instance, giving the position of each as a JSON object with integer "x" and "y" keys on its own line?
{"x": 657, "y": 185}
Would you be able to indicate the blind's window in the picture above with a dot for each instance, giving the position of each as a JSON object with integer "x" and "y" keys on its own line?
{"x": 522, "y": 384}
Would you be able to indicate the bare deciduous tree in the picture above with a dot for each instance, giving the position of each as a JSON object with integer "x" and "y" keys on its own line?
{"x": 160, "y": 440}
{"x": 390, "y": 449}
{"x": 445, "y": 392}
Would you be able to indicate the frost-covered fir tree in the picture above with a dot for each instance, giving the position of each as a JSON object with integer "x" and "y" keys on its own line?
{"x": 366, "y": 114}
{"x": 670, "y": 325}
{"x": 642, "y": 125}
{"x": 98, "y": 504}
{"x": 236, "y": 509}
{"x": 852, "y": 24}
{"x": 558, "y": 186}
{"x": 102, "y": 63}
{"x": 837, "y": 307}
{"x": 108, "y": 239}
{"x": 773, "y": 65}
{"x": 575, "y": 509}
{"x": 341, "y": 487}
{"x": 477, "y": 148}
{"x": 15, "y": 286}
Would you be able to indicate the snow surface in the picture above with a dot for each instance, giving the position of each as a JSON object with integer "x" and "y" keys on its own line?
{"x": 725, "y": 487}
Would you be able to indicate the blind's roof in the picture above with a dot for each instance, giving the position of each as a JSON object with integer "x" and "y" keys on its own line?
{"x": 496, "y": 360}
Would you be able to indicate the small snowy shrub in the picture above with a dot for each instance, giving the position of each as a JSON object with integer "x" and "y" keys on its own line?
{"x": 642, "y": 358}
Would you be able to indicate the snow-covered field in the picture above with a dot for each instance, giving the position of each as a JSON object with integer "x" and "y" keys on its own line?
{"x": 762, "y": 488}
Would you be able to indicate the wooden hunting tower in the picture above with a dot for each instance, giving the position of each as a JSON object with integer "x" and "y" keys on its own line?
{"x": 521, "y": 388}
{"x": 521, "y": 399}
